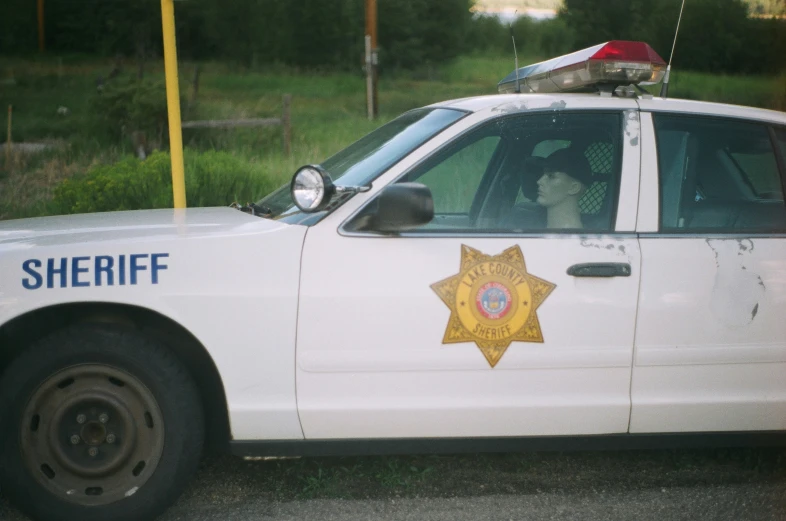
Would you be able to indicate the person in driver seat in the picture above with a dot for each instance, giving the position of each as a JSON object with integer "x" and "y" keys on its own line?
{"x": 566, "y": 177}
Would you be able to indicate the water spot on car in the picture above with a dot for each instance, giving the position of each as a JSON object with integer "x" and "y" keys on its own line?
{"x": 744, "y": 245}
{"x": 632, "y": 127}
{"x": 585, "y": 243}
{"x": 717, "y": 265}
{"x": 603, "y": 245}
{"x": 558, "y": 105}
{"x": 737, "y": 290}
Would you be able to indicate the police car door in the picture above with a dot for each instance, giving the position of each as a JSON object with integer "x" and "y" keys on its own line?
{"x": 711, "y": 335}
{"x": 483, "y": 322}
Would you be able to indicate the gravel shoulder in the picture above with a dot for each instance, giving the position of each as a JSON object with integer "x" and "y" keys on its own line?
{"x": 734, "y": 484}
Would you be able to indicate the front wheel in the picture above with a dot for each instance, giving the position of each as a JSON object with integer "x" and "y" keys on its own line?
{"x": 97, "y": 423}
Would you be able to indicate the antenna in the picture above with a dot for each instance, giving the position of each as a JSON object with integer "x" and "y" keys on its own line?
{"x": 664, "y": 90}
{"x": 515, "y": 55}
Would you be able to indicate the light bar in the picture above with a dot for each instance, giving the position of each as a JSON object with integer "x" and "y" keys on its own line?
{"x": 617, "y": 62}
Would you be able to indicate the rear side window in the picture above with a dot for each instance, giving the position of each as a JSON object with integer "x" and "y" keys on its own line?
{"x": 717, "y": 175}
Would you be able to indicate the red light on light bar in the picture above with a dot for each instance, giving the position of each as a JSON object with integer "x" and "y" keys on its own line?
{"x": 628, "y": 51}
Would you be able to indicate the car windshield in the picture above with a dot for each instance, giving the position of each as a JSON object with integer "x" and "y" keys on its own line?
{"x": 366, "y": 159}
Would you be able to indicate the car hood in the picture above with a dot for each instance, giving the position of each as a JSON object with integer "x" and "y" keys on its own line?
{"x": 139, "y": 225}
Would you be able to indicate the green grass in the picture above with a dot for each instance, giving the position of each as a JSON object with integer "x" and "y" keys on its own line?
{"x": 328, "y": 111}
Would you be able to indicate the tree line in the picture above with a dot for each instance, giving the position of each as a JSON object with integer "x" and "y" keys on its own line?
{"x": 715, "y": 35}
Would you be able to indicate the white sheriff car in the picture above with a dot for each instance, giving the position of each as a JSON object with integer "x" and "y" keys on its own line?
{"x": 490, "y": 273}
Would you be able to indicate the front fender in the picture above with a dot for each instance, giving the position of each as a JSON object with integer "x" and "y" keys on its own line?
{"x": 235, "y": 289}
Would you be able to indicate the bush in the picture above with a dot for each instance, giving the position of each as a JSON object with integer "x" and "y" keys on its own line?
{"x": 124, "y": 106}
{"x": 212, "y": 179}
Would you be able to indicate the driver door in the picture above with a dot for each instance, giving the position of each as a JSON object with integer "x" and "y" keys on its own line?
{"x": 482, "y": 322}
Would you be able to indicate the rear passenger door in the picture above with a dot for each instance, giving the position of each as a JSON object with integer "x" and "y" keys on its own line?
{"x": 710, "y": 351}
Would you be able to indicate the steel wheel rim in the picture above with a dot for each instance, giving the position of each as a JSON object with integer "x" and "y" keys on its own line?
{"x": 92, "y": 434}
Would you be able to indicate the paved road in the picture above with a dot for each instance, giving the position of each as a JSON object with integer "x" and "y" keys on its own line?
{"x": 734, "y": 485}
{"x": 733, "y": 503}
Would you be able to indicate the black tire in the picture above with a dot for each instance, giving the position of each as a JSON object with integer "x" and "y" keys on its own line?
{"x": 93, "y": 382}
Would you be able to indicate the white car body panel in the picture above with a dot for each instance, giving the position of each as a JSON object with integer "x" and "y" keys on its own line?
{"x": 711, "y": 338}
{"x": 677, "y": 106}
{"x": 229, "y": 280}
{"x": 385, "y": 373}
{"x": 649, "y": 207}
{"x": 710, "y": 335}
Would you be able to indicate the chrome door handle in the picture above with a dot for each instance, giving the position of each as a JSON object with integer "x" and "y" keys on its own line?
{"x": 600, "y": 269}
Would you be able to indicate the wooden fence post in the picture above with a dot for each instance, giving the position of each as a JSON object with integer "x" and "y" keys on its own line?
{"x": 286, "y": 124}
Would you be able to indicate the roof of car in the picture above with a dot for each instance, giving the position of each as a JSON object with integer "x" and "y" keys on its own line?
{"x": 562, "y": 101}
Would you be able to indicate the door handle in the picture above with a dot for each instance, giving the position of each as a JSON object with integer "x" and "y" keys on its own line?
{"x": 600, "y": 269}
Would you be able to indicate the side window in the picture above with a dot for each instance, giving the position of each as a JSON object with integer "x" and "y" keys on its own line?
{"x": 455, "y": 181}
{"x": 717, "y": 175}
{"x": 539, "y": 172}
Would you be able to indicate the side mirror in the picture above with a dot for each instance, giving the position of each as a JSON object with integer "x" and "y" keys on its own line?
{"x": 401, "y": 207}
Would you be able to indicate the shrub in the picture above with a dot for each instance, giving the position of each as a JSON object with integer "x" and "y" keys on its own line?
{"x": 212, "y": 179}
{"x": 124, "y": 106}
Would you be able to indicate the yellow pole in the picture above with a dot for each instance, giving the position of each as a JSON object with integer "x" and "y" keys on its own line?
{"x": 173, "y": 103}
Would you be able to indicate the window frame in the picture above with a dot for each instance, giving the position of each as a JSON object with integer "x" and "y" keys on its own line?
{"x": 780, "y": 162}
{"x": 345, "y": 228}
{"x": 779, "y": 159}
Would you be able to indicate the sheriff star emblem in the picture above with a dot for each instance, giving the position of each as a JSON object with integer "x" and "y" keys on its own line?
{"x": 493, "y": 301}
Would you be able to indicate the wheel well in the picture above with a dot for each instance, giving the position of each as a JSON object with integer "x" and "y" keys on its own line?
{"x": 20, "y": 332}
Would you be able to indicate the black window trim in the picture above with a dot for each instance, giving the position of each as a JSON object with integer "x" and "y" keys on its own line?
{"x": 779, "y": 159}
{"x": 345, "y": 231}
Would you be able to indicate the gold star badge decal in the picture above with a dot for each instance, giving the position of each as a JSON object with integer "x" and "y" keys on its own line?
{"x": 493, "y": 301}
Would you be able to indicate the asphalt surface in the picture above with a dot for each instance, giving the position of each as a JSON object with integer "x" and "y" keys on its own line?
{"x": 718, "y": 503}
{"x": 738, "y": 484}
